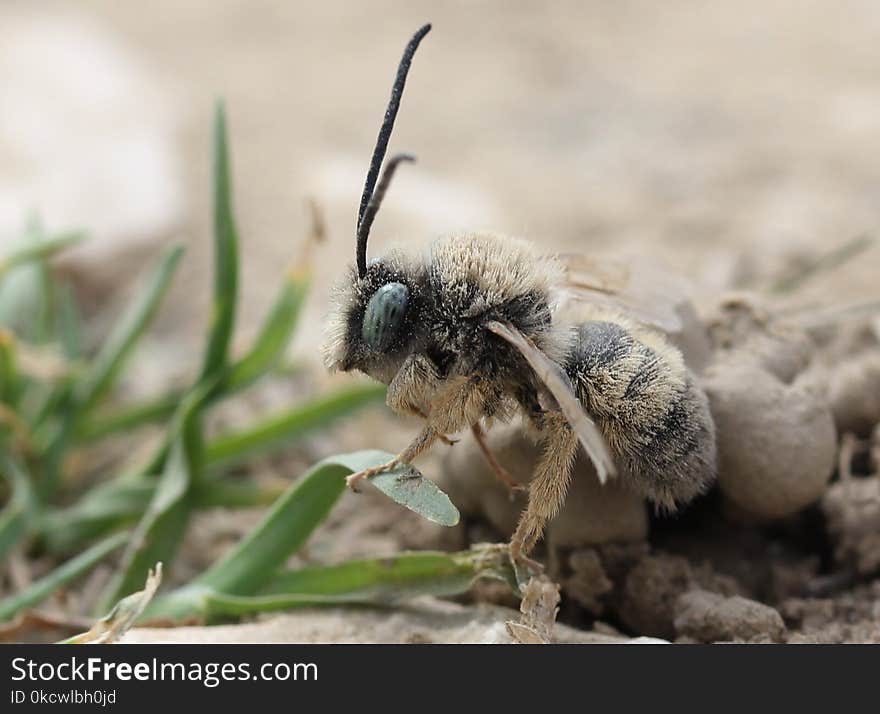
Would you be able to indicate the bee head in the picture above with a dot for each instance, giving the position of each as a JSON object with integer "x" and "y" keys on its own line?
{"x": 374, "y": 322}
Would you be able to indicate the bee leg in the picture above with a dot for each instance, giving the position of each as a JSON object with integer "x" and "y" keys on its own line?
{"x": 416, "y": 378}
{"x": 421, "y": 443}
{"x": 548, "y": 487}
{"x": 500, "y": 471}
{"x": 414, "y": 384}
{"x": 455, "y": 406}
{"x": 442, "y": 437}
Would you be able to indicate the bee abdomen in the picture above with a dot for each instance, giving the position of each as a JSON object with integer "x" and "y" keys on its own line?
{"x": 650, "y": 409}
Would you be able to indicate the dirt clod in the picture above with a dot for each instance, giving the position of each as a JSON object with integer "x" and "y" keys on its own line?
{"x": 741, "y": 327}
{"x": 852, "y": 508}
{"x": 585, "y": 580}
{"x": 776, "y": 442}
{"x": 710, "y": 617}
{"x": 653, "y": 586}
{"x": 851, "y": 616}
{"x": 854, "y": 392}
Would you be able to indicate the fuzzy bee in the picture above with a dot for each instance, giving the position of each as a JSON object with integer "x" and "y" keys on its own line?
{"x": 476, "y": 329}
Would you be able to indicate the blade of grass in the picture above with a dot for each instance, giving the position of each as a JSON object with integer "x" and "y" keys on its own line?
{"x": 132, "y": 324}
{"x": 44, "y": 325}
{"x": 254, "y": 561}
{"x": 10, "y": 383}
{"x": 38, "y": 250}
{"x": 228, "y": 492}
{"x": 104, "y": 423}
{"x": 16, "y": 515}
{"x": 269, "y": 346}
{"x": 161, "y": 530}
{"x": 281, "y": 429}
{"x": 65, "y": 573}
{"x": 822, "y": 264}
{"x": 106, "y": 507}
{"x": 225, "y": 255}
{"x": 376, "y": 581}
{"x": 286, "y": 526}
{"x": 281, "y": 533}
{"x": 265, "y": 353}
{"x": 123, "y": 502}
{"x": 404, "y": 575}
{"x": 69, "y": 323}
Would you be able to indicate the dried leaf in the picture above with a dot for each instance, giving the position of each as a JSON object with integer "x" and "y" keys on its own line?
{"x": 117, "y": 622}
{"x": 539, "y": 607}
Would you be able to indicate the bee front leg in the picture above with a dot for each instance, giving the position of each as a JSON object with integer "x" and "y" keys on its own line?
{"x": 548, "y": 487}
{"x": 414, "y": 385}
{"x": 421, "y": 443}
{"x": 442, "y": 437}
{"x": 456, "y": 405}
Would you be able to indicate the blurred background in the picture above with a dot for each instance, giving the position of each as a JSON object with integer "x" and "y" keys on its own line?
{"x": 727, "y": 139}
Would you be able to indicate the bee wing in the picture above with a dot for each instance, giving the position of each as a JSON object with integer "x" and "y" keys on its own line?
{"x": 558, "y": 385}
{"x": 636, "y": 288}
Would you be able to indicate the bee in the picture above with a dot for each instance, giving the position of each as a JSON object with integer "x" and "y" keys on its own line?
{"x": 481, "y": 327}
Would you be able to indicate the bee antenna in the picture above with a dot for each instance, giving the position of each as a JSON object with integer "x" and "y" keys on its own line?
{"x": 370, "y": 199}
{"x": 373, "y": 208}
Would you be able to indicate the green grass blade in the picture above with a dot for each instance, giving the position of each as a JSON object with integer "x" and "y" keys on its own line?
{"x": 16, "y": 516}
{"x": 10, "y": 381}
{"x": 38, "y": 250}
{"x": 161, "y": 530}
{"x": 112, "y": 421}
{"x": 132, "y": 324}
{"x": 106, "y": 507}
{"x": 280, "y": 430}
{"x": 43, "y": 326}
{"x": 375, "y": 581}
{"x": 254, "y": 561}
{"x": 379, "y": 580}
{"x": 269, "y": 346}
{"x": 231, "y": 492}
{"x": 225, "y": 255}
{"x": 121, "y": 503}
{"x": 281, "y": 533}
{"x": 69, "y": 322}
{"x": 285, "y": 528}
{"x": 65, "y": 573}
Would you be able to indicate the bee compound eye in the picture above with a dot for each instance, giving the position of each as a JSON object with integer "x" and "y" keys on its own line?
{"x": 384, "y": 315}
